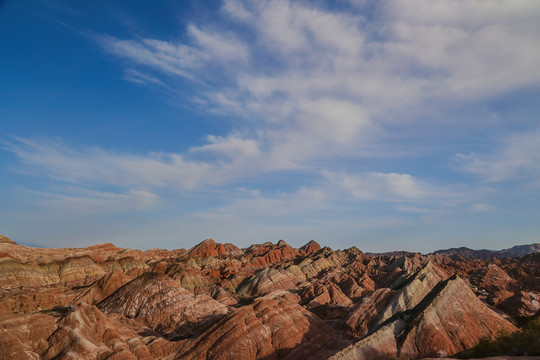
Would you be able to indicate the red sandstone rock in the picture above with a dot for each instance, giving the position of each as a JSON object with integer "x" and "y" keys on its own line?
{"x": 491, "y": 278}
{"x": 221, "y": 295}
{"x": 102, "y": 288}
{"x": 24, "y": 337}
{"x": 464, "y": 318}
{"x": 448, "y": 320}
{"x": 267, "y": 329}
{"x": 415, "y": 288}
{"x": 522, "y": 304}
{"x": 347, "y": 288}
{"x": 87, "y": 333}
{"x": 310, "y": 248}
{"x": 30, "y": 300}
{"x": 268, "y": 280}
{"x": 6, "y": 240}
{"x": 498, "y": 296}
{"x": 366, "y": 314}
{"x": 269, "y": 253}
{"x": 208, "y": 248}
{"x": 325, "y": 294}
{"x": 161, "y": 303}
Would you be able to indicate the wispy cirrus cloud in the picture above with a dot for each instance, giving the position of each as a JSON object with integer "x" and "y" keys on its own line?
{"x": 76, "y": 201}
{"x": 177, "y": 58}
{"x": 94, "y": 165}
{"x": 310, "y": 80}
{"x": 138, "y": 180}
{"x": 516, "y": 157}
{"x": 340, "y": 192}
{"x": 140, "y": 78}
{"x": 382, "y": 186}
{"x": 309, "y": 86}
{"x": 323, "y": 110}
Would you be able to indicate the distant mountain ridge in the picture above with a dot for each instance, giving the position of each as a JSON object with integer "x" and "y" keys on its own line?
{"x": 465, "y": 253}
{"x": 268, "y": 301}
{"x": 210, "y": 248}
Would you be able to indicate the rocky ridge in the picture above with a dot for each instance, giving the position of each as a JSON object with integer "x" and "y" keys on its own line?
{"x": 267, "y": 301}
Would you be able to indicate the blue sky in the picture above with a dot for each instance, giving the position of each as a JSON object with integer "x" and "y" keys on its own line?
{"x": 387, "y": 125}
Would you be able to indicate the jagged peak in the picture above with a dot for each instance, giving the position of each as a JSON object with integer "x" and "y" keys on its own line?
{"x": 104, "y": 246}
{"x": 6, "y": 240}
{"x": 282, "y": 243}
{"x": 208, "y": 248}
{"x": 208, "y": 241}
{"x": 204, "y": 244}
{"x": 311, "y": 247}
{"x": 310, "y": 243}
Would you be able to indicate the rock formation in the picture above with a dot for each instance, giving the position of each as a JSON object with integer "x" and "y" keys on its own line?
{"x": 417, "y": 333}
{"x": 491, "y": 278}
{"x": 160, "y": 303}
{"x": 310, "y": 248}
{"x": 268, "y": 301}
{"x": 87, "y": 333}
{"x": 521, "y": 305}
{"x": 267, "y": 329}
{"x": 210, "y": 248}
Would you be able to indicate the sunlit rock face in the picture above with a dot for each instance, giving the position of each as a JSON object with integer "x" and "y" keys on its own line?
{"x": 159, "y": 302}
{"x": 25, "y": 336}
{"x": 87, "y": 333}
{"x": 209, "y": 248}
{"x": 267, "y": 329}
{"x": 523, "y": 304}
{"x": 491, "y": 278}
{"x": 448, "y": 320}
{"x": 310, "y": 248}
{"x": 267, "y": 301}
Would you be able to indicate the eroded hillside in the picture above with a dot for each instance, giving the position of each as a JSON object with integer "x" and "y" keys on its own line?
{"x": 268, "y": 301}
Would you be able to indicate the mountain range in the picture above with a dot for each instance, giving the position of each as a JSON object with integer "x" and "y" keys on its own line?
{"x": 267, "y": 301}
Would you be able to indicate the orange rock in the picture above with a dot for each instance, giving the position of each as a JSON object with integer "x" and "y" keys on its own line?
{"x": 448, "y": 320}
{"x": 268, "y": 280}
{"x": 161, "y": 303}
{"x": 269, "y": 253}
{"x": 87, "y": 333}
{"x": 522, "y": 304}
{"x": 310, "y": 248}
{"x": 6, "y": 240}
{"x": 217, "y": 301}
{"x": 366, "y": 314}
{"x": 102, "y": 288}
{"x": 210, "y": 248}
{"x": 491, "y": 278}
{"x": 266, "y": 329}
{"x": 24, "y": 337}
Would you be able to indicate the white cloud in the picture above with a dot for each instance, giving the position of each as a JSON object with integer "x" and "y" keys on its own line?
{"x": 468, "y": 14}
{"x": 94, "y": 165}
{"x": 80, "y": 201}
{"x": 282, "y": 204}
{"x": 309, "y": 81}
{"x": 481, "y": 207}
{"x": 341, "y": 192}
{"x": 332, "y": 119}
{"x": 236, "y": 9}
{"x": 218, "y": 46}
{"x": 175, "y": 59}
{"x": 460, "y": 44}
{"x": 517, "y": 157}
{"x": 381, "y": 186}
{"x": 140, "y": 78}
{"x": 208, "y": 49}
{"x": 235, "y": 147}
{"x": 308, "y": 87}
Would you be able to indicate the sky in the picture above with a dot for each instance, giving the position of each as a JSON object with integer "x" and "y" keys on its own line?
{"x": 385, "y": 125}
